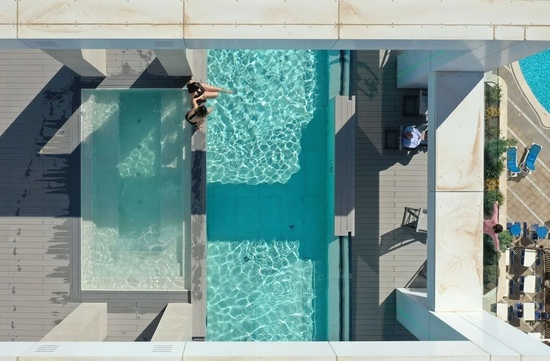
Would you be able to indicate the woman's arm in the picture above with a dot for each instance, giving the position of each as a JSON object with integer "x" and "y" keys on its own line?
{"x": 194, "y": 103}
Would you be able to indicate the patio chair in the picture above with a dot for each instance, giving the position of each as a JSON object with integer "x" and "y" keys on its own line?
{"x": 415, "y": 105}
{"x": 511, "y": 287}
{"x": 541, "y": 315}
{"x": 512, "y": 161}
{"x": 534, "y": 234}
{"x": 528, "y": 165}
{"x": 538, "y": 284}
{"x": 518, "y": 309}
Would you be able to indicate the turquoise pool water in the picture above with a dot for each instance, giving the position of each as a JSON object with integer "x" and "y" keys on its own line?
{"x": 267, "y": 197}
{"x": 536, "y": 70}
{"x": 134, "y": 213}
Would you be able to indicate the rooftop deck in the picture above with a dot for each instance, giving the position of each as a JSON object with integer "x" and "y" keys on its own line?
{"x": 39, "y": 173}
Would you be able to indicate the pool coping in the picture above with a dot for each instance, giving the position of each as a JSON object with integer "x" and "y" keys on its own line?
{"x": 540, "y": 111}
{"x": 197, "y": 59}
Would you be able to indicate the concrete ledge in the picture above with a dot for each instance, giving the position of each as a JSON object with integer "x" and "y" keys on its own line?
{"x": 256, "y": 351}
{"x": 104, "y": 351}
{"x": 485, "y": 347}
{"x": 10, "y": 351}
{"x": 176, "y": 323}
{"x": 88, "y": 322}
{"x": 413, "y": 350}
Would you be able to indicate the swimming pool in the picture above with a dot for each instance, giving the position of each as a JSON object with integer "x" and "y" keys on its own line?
{"x": 267, "y": 199}
{"x": 134, "y": 162}
{"x": 536, "y": 71}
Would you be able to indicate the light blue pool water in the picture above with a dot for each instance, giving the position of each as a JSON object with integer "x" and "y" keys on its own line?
{"x": 536, "y": 70}
{"x": 267, "y": 196}
{"x": 133, "y": 204}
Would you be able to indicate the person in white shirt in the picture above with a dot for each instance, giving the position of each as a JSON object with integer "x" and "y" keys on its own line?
{"x": 413, "y": 137}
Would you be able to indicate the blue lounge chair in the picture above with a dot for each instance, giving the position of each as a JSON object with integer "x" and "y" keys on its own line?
{"x": 528, "y": 165}
{"x": 512, "y": 161}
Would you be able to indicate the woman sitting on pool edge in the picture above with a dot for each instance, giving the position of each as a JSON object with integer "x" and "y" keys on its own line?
{"x": 197, "y": 115}
{"x": 204, "y": 91}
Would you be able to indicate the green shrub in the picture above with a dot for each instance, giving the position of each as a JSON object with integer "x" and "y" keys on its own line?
{"x": 494, "y": 156}
{"x": 490, "y": 263}
{"x": 492, "y": 130}
{"x": 493, "y": 93}
{"x": 489, "y": 199}
{"x": 505, "y": 239}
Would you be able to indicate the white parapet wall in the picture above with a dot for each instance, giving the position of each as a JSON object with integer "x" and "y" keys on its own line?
{"x": 10, "y": 351}
{"x": 492, "y": 335}
{"x": 344, "y": 24}
{"x": 88, "y": 322}
{"x": 251, "y": 351}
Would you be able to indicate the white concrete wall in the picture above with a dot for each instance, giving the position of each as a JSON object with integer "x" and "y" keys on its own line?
{"x": 492, "y": 335}
{"x": 88, "y": 322}
{"x": 455, "y": 191}
{"x": 254, "y": 351}
{"x": 345, "y": 24}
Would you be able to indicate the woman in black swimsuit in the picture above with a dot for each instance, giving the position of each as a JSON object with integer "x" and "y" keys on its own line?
{"x": 204, "y": 91}
{"x": 197, "y": 115}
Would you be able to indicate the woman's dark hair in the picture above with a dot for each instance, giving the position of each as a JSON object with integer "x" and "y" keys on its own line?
{"x": 193, "y": 86}
{"x": 498, "y": 228}
{"x": 202, "y": 111}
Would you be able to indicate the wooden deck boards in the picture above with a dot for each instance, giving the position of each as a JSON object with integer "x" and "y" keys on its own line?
{"x": 385, "y": 255}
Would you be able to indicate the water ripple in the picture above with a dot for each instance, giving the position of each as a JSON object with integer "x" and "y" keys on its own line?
{"x": 254, "y": 134}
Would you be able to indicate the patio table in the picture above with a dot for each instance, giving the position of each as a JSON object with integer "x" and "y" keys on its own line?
{"x": 529, "y": 284}
{"x": 529, "y": 311}
{"x": 502, "y": 311}
{"x": 530, "y": 256}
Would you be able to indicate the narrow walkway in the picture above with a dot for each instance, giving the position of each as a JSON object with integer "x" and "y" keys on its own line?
{"x": 385, "y": 255}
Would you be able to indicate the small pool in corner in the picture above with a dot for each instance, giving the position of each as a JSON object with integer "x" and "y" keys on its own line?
{"x": 135, "y": 213}
{"x": 268, "y": 196}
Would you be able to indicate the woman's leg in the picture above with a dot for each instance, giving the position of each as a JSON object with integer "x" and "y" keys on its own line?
{"x": 210, "y": 88}
{"x": 210, "y": 94}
